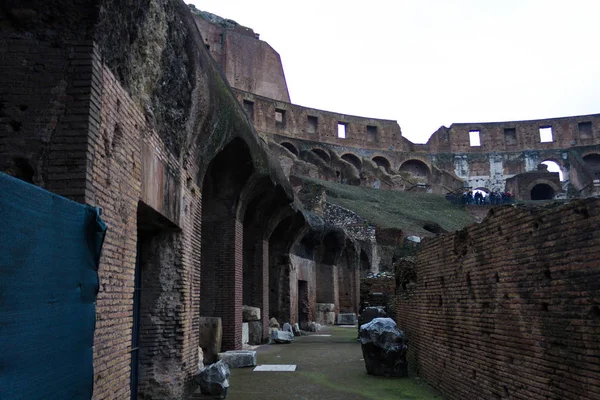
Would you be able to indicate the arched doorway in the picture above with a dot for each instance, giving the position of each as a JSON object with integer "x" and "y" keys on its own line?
{"x": 222, "y": 271}
{"x": 554, "y": 167}
{"x": 354, "y": 160}
{"x": 322, "y": 154}
{"x": 542, "y": 191}
{"x": 383, "y": 163}
{"x": 416, "y": 167}
{"x": 592, "y": 161}
{"x": 291, "y": 148}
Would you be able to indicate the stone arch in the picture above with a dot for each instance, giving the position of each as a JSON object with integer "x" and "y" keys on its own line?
{"x": 324, "y": 155}
{"x": 416, "y": 167}
{"x": 382, "y": 162}
{"x": 554, "y": 165}
{"x": 542, "y": 191}
{"x": 592, "y": 161}
{"x": 293, "y": 149}
{"x": 221, "y": 272}
{"x": 353, "y": 159}
{"x": 291, "y": 227}
{"x": 260, "y": 201}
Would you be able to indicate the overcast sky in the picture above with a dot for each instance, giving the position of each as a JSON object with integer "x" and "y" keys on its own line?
{"x": 429, "y": 63}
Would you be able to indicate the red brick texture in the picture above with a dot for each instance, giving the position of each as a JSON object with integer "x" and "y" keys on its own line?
{"x": 46, "y": 111}
{"x": 509, "y": 308}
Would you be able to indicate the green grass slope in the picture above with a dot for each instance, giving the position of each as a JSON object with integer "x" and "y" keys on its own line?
{"x": 394, "y": 209}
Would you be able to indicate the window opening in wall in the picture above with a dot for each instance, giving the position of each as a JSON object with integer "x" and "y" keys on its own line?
{"x": 341, "y": 130}
{"x": 249, "y": 108}
{"x": 510, "y": 135}
{"x": 554, "y": 167}
{"x": 585, "y": 129}
{"x": 474, "y": 138}
{"x": 280, "y": 118}
{"x": 371, "y": 133}
{"x": 311, "y": 124}
{"x": 546, "y": 134}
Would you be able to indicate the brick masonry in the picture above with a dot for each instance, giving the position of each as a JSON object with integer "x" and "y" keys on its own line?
{"x": 509, "y": 308}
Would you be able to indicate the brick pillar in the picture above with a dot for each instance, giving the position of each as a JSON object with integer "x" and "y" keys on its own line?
{"x": 222, "y": 277}
{"x": 260, "y": 282}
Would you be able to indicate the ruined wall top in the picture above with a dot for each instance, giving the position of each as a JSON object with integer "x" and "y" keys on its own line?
{"x": 539, "y": 134}
{"x": 249, "y": 63}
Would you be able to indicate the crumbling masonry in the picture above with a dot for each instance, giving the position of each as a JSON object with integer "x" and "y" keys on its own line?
{"x": 128, "y": 107}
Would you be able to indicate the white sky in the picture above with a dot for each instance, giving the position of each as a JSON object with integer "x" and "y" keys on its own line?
{"x": 427, "y": 63}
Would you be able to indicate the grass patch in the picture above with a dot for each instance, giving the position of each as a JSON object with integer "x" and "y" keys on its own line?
{"x": 395, "y": 209}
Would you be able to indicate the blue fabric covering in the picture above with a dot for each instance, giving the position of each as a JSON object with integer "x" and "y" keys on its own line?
{"x": 49, "y": 254}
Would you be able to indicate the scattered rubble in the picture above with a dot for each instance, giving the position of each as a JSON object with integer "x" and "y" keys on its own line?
{"x": 214, "y": 379}
{"x": 384, "y": 348}
{"x": 282, "y": 337}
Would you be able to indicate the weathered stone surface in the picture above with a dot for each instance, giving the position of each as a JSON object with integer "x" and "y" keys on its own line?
{"x": 347, "y": 319}
{"x": 239, "y": 358}
{"x": 250, "y": 313}
{"x": 211, "y": 333}
{"x": 245, "y": 333}
{"x": 282, "y": 337}
{"x": 296, "y": 329}
{"x": 273, "y": 323}
{"x": 327, "y": 307}
{"x": 384, "y": 348}
{"x": 200, "y": 358}
{"x": 287, "y": 328}
{"x": 214, "y": 379}
{"x": 325, "y": 317}
{"x": 314, "y": 327}
{"x": 255, "y": 332}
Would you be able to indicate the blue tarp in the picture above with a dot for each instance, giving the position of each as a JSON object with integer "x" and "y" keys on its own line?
{"x": 49, "y": 254}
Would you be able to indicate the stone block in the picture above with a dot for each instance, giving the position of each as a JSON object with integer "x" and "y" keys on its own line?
{"x": 210, "y": 338}
{"x": 384, "y": 348}
{"x": 282, "y": 337}
{"x": 325, "y": 317}
{"x": 287, "y": 328}
{"x": 214, "y": 379}
{"x": 239, "y": 358}
{"x": 250, "y": 313}
{"x": 325, "y": 307}
{"x": 245, "y": 333}
{"x": 255, "y": 332}
{"x": 273, "y": 323}
{"x": 347, "y": 319}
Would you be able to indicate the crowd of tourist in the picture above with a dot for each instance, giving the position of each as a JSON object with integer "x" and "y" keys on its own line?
{"x": 479, "y": 197}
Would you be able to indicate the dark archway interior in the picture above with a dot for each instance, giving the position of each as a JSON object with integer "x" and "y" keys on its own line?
{"x": 592, "y": 161}
{"x": 415, "y": 167}
{"x": 291, "y": 148}
{"x": 322, "y": 154}
{"x": 382, "y": 162}
{"x": 365, "y": 266}
{"x": 352, "y": 159}
{"x": 542, "y": 191}
{"x": 224, "y": 180}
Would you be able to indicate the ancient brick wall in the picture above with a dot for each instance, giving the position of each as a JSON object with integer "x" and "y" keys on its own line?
{"x": 383, "y": 284}
{"x": 582, "y": 130}
{"x": 509, "y": 308}
{"x": 44, "y": 112}
{"x": 318, "y": 125}
{"x": 248, "y": 63}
